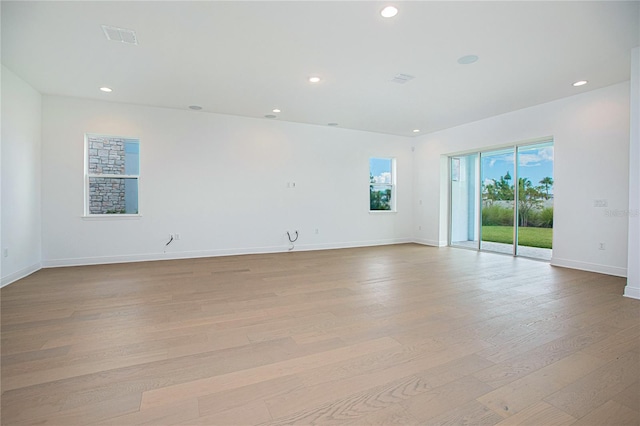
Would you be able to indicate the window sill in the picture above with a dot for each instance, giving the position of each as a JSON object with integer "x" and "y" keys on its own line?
{"x": 112, "y": 217}
{"x": 383, "y": 211}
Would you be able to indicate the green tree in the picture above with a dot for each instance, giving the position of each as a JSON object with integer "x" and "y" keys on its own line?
{"x": 489, "y": 193}
{"x": 546, "y": 183}
{"x": 379, "y": 199}
{"x": 504, "y": 188}
{"x": 529, "y": 199}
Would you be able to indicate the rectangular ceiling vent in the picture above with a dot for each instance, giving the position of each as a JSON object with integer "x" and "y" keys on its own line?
{"x": 122, "y": 35}
{"x": 402, "y": 78}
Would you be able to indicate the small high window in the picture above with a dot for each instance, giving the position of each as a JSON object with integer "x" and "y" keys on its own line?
{"x": 382, "y": 184}
{"x": 112, "y": 172}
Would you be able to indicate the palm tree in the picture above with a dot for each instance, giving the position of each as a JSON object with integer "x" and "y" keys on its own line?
{"x": 547, "y": 183}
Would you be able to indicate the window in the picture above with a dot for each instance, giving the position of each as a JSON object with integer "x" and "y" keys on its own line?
{"x": 382, "y": 184}
{"x": 112, "y": 172}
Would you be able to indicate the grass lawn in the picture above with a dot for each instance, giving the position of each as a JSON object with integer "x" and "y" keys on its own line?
{"x": 530, "y": 237}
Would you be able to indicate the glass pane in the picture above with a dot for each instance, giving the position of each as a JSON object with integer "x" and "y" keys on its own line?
{"x": 497, "y": 201}
{"x": 380, "y": 183}
{"x": 380, "y": 197}
{"x": 113, "y": 196}
{"x": 535, "y": 201}
{"x": 113, "y": 156}
{"x": 380, "y": 170}
{"x": 464, "y": 201}
{"x": 131, "y": 157}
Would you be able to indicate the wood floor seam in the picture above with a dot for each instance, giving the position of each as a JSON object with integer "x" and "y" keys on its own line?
{"x": 400, "y": 334}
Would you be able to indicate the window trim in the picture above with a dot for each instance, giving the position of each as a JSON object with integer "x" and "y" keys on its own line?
{"x": 104, "y": 216}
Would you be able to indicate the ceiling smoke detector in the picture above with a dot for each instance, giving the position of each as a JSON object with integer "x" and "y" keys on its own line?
{"x": 468, "y": 59}
{"x": 402, "y": 78}
{"x": 122, "y": 35}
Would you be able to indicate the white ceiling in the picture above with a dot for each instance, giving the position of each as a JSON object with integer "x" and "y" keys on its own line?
{"x": 247, "y": 58}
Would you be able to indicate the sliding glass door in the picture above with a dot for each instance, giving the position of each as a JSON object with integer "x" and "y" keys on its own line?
{"x": 502, "y": 200}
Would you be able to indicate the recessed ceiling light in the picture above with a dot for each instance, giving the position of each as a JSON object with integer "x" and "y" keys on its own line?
{"x": 580, "y": 83}
{"x": 195, "y": 107}
{"x": 314, "y": 79}
{"x": 276, "y": 110}
{"x": 270, "y": 116}
{"x": 389, "y": 12}
{"x": 332, "y": 124}
{"x": 416, "y": 130}
{"x": 106, "y": 89}
{"x": 467, "y": 59}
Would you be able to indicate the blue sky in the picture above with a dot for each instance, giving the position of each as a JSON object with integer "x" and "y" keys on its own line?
{"x": 534, "y": 164}
{"x": 377, "y": 166}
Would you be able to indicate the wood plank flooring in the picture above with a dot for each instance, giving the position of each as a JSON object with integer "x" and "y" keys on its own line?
{"x": 403, "y": 334}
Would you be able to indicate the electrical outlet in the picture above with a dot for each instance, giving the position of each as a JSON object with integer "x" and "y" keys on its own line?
{"x": 177, "y": 236}
{"x": 600, "y": 203}
{"x": 602, "y": 246}
{"x": 5, "y": 252}
{"x": 317, "y": 231}
{"x": 419, "y": 227}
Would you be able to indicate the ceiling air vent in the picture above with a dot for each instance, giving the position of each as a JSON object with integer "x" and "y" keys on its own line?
{"x": 122, "y": 35}
{"x": 402, "y": 78}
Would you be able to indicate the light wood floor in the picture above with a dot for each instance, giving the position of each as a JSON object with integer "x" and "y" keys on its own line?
{"x": 401, "y": 334}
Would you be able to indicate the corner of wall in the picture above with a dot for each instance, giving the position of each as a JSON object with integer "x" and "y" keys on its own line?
{"x": 21, "y": 172}
{"x": 633, "y": 254}
{"x": 18, "y": 275}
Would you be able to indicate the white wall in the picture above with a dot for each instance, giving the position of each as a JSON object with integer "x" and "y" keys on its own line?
{"x": 591, "y": 134}
{"x": 219, "y": 181}
{"x": 21, "y": 212}
{"x": 633, "y": 276}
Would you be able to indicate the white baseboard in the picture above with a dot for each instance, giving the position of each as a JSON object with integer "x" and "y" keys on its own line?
{"x": 632, "y": 292}
{"x": 20, "y": 274}
{"x": 433, "y": 243}
{"x": 101, "y": 260}
{"x": 591, "y": 267}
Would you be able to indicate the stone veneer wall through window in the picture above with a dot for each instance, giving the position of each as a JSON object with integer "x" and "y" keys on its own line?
{"x": 106, "y": 157}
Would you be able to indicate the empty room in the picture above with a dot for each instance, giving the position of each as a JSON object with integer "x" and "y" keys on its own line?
{"x": 320, "y": 212}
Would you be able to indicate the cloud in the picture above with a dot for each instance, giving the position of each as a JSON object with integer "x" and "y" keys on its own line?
{"x": 489, "y": 182}
{"x": 534, "y": 158}
{"x": 384, "y": 177}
